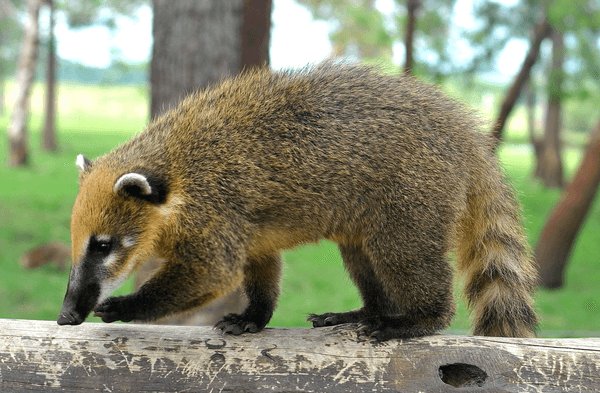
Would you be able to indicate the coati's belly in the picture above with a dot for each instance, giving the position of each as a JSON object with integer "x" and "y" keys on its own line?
{"x": 269, "y": 241}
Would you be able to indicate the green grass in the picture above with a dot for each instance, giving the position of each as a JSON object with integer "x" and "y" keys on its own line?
{"x": 35, "y": 204}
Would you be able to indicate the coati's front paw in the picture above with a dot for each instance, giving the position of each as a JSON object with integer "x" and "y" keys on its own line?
{"x": 320, "y": 320}
{"x": 114, "y": 309}
{"x": 237, "y": 324}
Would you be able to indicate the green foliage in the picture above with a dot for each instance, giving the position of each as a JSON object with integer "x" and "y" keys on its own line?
{"x": 10, "y": 35}
{"x": 579, "y": 21}
{"x": 581, "y": 112}
{"x": 79, "y": 14}
{"x": 35, "y": 204}
{"x": 497, "y": 25}
{"x": 360, "y": 30}
{"x": 433, "y": 52}
{"x": 82, "y": 13}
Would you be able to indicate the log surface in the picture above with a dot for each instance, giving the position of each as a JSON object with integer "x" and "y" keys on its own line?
{"x": 41, "y": 356}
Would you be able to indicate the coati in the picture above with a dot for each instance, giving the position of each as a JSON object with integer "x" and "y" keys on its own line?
{"x": 390, "y": 169}
{"x": 55, "y": 253}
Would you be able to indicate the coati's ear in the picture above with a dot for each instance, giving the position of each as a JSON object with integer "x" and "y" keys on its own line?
{"x": 142, "y": 186}
{"x": 82, "y": 163}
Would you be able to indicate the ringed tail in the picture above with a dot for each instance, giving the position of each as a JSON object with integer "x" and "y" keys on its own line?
{"x": 494, "y": 257}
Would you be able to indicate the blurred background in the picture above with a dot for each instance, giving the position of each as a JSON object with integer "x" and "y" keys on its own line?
{"x": 83, "y": 76}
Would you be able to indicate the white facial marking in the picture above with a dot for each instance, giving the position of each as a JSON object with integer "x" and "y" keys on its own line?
{"x": 108, "y": 286}
{"x": 133, "y": 179}
{"x": 110, "y": 260}
{"x": 128, "y": 241}
{"x": 103, "y": 238}
{"x": 80, "y": 162}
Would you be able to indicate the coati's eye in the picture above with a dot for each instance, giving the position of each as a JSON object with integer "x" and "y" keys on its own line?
{"x": 100, "y": 246}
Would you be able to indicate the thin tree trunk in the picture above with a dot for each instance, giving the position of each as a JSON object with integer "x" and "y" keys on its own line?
{"x": 7, "y": 11}
{"x": 255, "y": 33}
{"x": 561, "y": 229}
{"x": 550, "y": 162}
{"x": 542, "y": 30}
{"x": 17, "y": 130}
{"x": 412, "y": 6}
{"x": 49, "y": 130}
{"x": 535, "y": 142}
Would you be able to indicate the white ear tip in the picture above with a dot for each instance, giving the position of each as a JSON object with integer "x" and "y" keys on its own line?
{"x": 80, "y": 162}
{"x": 133, "y": 179}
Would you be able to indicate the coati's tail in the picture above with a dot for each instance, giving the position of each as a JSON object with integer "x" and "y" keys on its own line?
{"x": 494, "y": 257}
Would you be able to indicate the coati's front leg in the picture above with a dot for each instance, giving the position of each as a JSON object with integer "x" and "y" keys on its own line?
{"x": 159, "y": 296}
{"x": 185, "y": 281}
{"x": 261, "y": 284}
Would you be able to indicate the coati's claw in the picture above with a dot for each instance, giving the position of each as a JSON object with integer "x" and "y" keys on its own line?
{"x": 236, "y": 324}
{"x": 327, "y": 319}
{"x": 316, "y": 320}
{"x": 69, "y": 318}
{"x": 113, "y": 309}
{"x": 374, "y": 329}
{"x": 335, "y": 318}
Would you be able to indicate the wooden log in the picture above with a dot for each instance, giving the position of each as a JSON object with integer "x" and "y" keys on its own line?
{"x": 41, "y": 356}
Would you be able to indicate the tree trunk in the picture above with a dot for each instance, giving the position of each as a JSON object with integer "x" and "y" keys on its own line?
{"x": 550, "y": 162}
{"x": 7, "y": 12}
{"x": 535, "y": 142}
{"x": 197, "y": 43}
{"x": 17, "y": 130}
{"x": 542, "y": 30}
{"x": 49, "y": 130}
{"x": 412, "y": 6}
{"x": 559, "y": 233}
{"x": 255, "y": 33}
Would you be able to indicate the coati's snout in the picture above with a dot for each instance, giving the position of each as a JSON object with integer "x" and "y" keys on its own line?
{"x": 101, "y": 269}
{"x": 78, "y": 303}
{"x": 86, "y": 281}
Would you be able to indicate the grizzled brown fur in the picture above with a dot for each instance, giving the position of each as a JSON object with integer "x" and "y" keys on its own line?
{"x": 388, "y": 167}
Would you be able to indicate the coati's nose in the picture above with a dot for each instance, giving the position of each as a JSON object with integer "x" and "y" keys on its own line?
{"x": 69, "y": 318}
{"x": 78, "y": 303}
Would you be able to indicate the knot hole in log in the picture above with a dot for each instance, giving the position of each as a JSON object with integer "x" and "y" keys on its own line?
{"x": 462, "y": 375}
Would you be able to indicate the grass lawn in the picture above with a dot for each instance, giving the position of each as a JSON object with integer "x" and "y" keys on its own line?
{"x": 35, "y": 205}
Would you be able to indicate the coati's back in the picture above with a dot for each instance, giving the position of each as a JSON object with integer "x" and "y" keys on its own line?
{"x": 320, "y": 139}
{"x": 386, "y": 166}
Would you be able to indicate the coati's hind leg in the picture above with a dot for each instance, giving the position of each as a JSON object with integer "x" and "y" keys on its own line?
{"x": 409, "y": 262}
{"x": 370, "y": 289}
{"x": 261, "y": 284}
